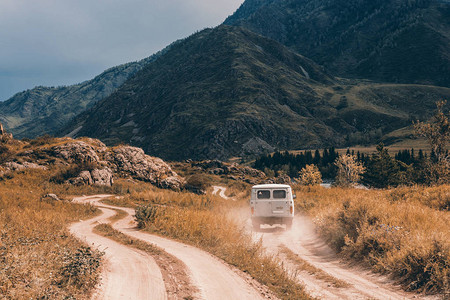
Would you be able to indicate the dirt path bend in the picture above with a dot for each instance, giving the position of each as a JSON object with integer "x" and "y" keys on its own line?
{"x": 213, "y": 278}
{"x": 127, "y": 273}
{"x": 221, "y": 191}
{"x": 304, "y": 242}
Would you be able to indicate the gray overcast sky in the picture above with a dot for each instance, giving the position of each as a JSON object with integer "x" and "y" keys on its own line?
{"x": 61, "y": 42}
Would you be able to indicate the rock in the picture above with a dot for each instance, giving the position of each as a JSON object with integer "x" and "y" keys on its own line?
{"x": 217, "y": 171}
{"x": 253, "y": 172}
{"x": 101, "y": 177}
{"x": 84, "y": 178}
{"x": 208, "y": 164}
{"x": 51, "y": 196}
{"x": 15, "y": 166}
{"x": 173, "y": 182}
{"x": 133, "y": 161}
{"x": 75, "y": 152}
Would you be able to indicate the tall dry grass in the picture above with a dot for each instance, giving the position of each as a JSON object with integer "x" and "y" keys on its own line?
{"x": 404, "y": 232}
{"x": 201, "y": 220}
{"x": 38, "y": 257}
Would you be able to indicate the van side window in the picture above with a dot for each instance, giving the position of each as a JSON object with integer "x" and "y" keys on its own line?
{"x": 263, "y": 194}
{"x": 279, "y": 194}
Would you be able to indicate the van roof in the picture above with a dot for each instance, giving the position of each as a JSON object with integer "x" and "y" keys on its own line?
{"x": 271, "y": 186}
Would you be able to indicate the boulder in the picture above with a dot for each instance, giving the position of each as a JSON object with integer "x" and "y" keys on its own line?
{"x": 173, "y": 183}
{"x": 134, "y": 162}
{"x": 75, "y": 152}
{"x": 84, "y": 178}
{"x": 102, "y": 177}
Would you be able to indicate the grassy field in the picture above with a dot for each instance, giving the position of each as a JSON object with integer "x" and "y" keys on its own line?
{"x": 404, "y": 232}
{"x": 39, "y": 259}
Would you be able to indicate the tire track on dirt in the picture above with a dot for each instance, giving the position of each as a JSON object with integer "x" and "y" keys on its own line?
{"x": 304, "y": 242}
{"x": 213, "y": 278}
{"x": 127, "y": 273}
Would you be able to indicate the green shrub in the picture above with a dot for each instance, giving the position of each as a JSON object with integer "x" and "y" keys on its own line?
{"x": 146, "y": 214}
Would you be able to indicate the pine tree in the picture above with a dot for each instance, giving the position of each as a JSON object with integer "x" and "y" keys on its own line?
{"x": 382, "y": 171}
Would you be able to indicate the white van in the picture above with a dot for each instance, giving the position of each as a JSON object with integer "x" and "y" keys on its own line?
{"x": 272, "y": 204}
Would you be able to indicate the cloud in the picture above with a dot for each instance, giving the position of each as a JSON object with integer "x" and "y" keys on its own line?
{"x": 53, "y": 42}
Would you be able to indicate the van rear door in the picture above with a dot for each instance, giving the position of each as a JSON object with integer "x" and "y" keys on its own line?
{"x": 280, "y": 203}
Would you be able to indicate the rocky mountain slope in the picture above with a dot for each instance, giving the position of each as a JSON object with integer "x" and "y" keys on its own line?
{"x": 226, "y": 91}
{"x": 44, "y": 110}
{"x": 392, "y": 41}
{"x": 85, "y": 162}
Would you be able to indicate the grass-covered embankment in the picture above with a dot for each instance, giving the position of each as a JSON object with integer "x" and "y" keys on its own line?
{"x": 404, "y": 232}
{"x": 39, "y": 259}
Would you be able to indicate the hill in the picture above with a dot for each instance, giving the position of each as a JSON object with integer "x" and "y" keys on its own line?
{"x": 44, "y": 110}
{"x": 383, "y": 40}
{"x": 227, "y": 91}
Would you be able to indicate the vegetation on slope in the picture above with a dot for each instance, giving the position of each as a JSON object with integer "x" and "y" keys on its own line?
{"x": 227, "y": 92}
{"x": 394, "y": 41}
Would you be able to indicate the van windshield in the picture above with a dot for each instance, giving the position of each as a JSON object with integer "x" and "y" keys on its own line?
{"x": 263, "y": 194}
{"x": 279, "y": 194}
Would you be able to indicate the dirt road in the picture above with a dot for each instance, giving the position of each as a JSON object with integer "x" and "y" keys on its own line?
{"x": 303, "y": 242}
{"x": 221, "y": 190}
{"x": 128, "y": 273}
{"x": 213, "y": 278}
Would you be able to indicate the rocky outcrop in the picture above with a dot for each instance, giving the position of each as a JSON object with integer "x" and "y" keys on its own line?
{"x": 132, "y": 161}
{"x": 16, "y": 166}
{"x": 94, "y": 164}
{"x": 218, "y": 167}
{"x": 102, "y": 177}
{"x": 77, "y": 152}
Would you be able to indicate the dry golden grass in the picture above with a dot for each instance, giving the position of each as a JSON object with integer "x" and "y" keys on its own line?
{"x": 38, "y": 256}
{"x": 404, "y": 232}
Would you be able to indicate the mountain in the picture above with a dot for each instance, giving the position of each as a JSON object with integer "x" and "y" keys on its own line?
{"x": 227, "y": 91}
{"x": 401, "y": 41}
{"x": 44, "y": 110}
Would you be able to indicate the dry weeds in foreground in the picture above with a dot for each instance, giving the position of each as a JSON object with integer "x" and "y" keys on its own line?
{"x": 39, "y": 259}
{"x": 404, "y": 232}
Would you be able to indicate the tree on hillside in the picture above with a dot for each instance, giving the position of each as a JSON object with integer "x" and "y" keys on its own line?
{"x": 382, "y": 170}
{"x": 349, "y": 170}
{"x": 437, "y": 132}
{"x": 310, "y": 175}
